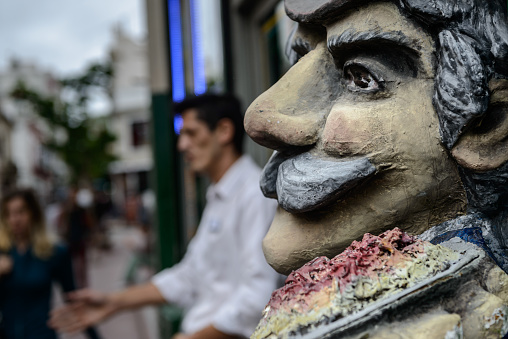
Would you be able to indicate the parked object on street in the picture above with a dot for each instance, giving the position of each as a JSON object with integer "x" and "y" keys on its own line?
{"x": 76, "y": 225}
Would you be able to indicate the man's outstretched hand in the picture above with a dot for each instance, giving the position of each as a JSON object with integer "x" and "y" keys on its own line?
{"x": 85, "y": 308}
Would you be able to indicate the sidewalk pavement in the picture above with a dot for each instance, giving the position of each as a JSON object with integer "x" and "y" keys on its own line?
{"x": 106, "y": 271}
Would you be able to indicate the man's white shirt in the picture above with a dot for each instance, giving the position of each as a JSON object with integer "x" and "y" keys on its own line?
{"x": 224, "y": 279}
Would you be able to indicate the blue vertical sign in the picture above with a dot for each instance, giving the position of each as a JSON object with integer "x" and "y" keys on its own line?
{"x": 176, "y": 50}
{"x": 197, "y": 50}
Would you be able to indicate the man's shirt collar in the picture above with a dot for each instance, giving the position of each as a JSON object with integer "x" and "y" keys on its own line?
{"x": 229, "y": 181}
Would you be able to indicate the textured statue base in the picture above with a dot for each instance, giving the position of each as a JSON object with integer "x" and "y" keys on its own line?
{"x": 393, "y": 286}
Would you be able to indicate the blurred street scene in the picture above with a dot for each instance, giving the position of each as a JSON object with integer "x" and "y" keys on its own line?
{"x": 114, "y": 269}
{"x": 86, "y": 121}
{"x": 51, "y": 137}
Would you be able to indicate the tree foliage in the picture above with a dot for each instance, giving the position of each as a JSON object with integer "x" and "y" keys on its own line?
{"x": 82, "y": 142}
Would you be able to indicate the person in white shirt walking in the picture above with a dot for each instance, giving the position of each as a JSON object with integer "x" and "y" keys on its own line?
{"x": 223, "y": 282}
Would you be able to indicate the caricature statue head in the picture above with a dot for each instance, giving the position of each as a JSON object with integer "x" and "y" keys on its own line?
{"x": 395, "y": 113}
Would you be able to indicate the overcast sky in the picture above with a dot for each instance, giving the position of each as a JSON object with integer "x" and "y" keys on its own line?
{"x": 64, "y": 35}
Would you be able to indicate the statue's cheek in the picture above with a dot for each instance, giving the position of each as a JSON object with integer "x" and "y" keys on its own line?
{"x": 351, "y": 131}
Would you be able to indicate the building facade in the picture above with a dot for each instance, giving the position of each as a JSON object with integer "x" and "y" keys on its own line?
{"x": 130, "y": 120}
{"x": 28, "y": 162}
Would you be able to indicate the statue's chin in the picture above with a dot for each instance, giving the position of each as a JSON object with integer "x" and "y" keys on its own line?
{"x": 293, "y": 240}
{"x": 283, "y": 265}
{"x": 288, "y": 248}
{"x": 281, "y": 258}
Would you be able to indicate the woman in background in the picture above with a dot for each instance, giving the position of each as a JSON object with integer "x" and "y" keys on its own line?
{"x": 29, "y": 264}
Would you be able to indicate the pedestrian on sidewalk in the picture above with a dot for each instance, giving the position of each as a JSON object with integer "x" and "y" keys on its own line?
{"x": 29, "y": 264}
{"x": 76, "y": 224}
{"x": 223, "y": 282}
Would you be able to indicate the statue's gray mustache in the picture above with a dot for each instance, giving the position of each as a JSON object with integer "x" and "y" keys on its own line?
{"x": 305, "y": 183}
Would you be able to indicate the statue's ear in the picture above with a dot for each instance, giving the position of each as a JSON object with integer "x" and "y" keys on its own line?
{"x": 484, "y": 146}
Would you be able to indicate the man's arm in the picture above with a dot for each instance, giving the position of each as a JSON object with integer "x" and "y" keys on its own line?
{"x": 90, "y": 307}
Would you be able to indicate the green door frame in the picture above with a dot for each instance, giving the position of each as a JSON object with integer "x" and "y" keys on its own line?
{"x": 165, "y": 179}
{"x": 166, "y": 182}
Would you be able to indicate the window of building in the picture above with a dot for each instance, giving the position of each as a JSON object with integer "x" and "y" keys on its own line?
{"x": 140, "y": 134}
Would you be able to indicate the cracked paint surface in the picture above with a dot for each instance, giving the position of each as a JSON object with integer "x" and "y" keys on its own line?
{"x": 325, "y": 290}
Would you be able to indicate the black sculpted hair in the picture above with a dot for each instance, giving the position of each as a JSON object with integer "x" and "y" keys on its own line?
{"x": 471, "y": 39}
{"x": 472, "y": 47}
{"x": 211, "y": 108}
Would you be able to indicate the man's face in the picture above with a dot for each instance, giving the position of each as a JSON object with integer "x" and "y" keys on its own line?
{"x": 357, "y": 138}
{"x": 198, "y": 143}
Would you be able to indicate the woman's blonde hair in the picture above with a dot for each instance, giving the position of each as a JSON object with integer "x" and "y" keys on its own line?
{"x": 41, "y": 245}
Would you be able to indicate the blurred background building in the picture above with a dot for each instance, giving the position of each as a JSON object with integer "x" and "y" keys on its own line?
{"x": 7, "y": 168}
{"x": 192, "y": 46}
{"x": 24, "y": 159}
{"x": 130, "y": 117}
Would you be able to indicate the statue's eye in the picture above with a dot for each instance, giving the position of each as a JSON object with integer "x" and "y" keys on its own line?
{"x": 358, "y": 78}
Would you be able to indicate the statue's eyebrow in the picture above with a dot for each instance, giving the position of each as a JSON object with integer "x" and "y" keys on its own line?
{"x": 351, "y": 38}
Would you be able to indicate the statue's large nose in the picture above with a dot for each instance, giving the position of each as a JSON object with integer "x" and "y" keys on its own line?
{"x": 293, "y": 111}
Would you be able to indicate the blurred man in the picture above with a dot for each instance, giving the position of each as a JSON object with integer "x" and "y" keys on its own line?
{"x": 223, "y": 282}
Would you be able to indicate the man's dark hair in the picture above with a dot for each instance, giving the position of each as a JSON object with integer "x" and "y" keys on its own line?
{"x": 211, "y": 108}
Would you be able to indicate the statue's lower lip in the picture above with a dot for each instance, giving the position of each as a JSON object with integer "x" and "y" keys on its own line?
{"x": 305, "y": 183}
